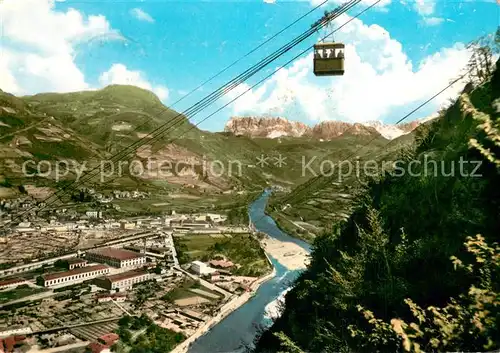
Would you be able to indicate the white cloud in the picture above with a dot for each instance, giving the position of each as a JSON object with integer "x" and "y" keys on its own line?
{"x": 425, "y": 7}
{"x": 38, "y": 46}
{"x": 141, "y": 15}
{"x": 433, "y": 21}
{"x": 8, "y": 81}
{"x": 270, "y": 1}
{"x": 119, "y": 74}
{"x": 379, "y": 78}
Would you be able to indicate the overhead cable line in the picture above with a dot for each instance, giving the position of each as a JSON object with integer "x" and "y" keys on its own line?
{"x": 221, "y": 91}
{"x": 236, "y": 61}
{"x": 309, "y": 182}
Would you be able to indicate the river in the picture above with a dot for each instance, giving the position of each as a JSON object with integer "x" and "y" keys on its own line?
{"x": 239, "y": 328}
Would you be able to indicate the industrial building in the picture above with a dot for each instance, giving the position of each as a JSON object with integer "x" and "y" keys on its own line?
{"x": 75, "y": 275}
{"x": 122, "y": 281}
{"x": 12, "y": 283}
{"x": 116, "y": 257}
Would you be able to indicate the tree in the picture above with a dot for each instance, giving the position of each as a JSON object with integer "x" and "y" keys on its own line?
{"x": 491, "y": 128}
{"x": 169, "y": 297}
{"x": 287, "y": 345}
{"x": 481, "y": 64}
{"x": 125, "y": 335}
{"x": 61, "y": 264}
{"x": 125, "y": 321}
{"x": 469, "y": 323}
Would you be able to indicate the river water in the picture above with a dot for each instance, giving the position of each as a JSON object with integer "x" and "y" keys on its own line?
{"x": 239, "y": 328}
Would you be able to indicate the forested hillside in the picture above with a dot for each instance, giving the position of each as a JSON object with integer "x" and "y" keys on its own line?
{"x": 415, "y": 267}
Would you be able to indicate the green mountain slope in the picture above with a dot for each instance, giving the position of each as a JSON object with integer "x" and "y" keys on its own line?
{"x": 326, "y": 198}
{"x": 392, "y": 263}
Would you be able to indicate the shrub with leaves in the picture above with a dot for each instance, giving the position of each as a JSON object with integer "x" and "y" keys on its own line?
{"x": 469, "y": 323}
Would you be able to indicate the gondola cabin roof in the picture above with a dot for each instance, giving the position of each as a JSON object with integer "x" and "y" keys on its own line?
{"x": 329, "y": 46}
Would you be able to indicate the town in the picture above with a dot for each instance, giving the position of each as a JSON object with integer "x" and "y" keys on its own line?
{"x": 89, "y": 282}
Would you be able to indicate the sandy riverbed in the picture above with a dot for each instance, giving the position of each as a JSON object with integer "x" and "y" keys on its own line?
{"x": 289, "y": 254}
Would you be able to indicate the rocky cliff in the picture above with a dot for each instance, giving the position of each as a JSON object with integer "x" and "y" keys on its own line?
{"x": 271, "y": 127}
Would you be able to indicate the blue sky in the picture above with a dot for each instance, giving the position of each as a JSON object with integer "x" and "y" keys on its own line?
{"x": 173, "y": 46}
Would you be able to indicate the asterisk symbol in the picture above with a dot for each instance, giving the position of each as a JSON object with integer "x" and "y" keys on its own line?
{"x": 262, "y": 160}
{"x": 280, "y": 161}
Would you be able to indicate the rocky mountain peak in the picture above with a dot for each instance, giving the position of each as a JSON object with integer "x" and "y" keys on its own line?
{"x": 274, "y": 127}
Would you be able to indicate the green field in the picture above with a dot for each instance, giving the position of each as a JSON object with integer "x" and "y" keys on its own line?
{"x": 18, "y": 293}
{"x": 141, "y": 335}
{"x": 241, "y": 249}
{"x": 182, "y": 291}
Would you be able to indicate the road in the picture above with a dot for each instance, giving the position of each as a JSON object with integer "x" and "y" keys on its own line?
{"x": 35, "y": 349}
{"x": 226, "y": 309}
{"x": 59, "y": 328}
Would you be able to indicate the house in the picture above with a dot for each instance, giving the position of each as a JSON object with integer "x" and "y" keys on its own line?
{"x": 25, "y": 229}
{"x": 103, "y": 343}
{"x": 217, "y": 277}
{"x": 175, "y": 222}
{"x": 8, "y": 344}
{"x": 196, "y": 224}
{"x": 108, "y": 339}
{"x": 201, "y": 268}
{"x": 96, "y": 347}
{"x": 127, "y": 225}
{"x": 112, "y": 225}
{"x": 76, "y": 262}
{"x": 94, "y": 214}
{"x": 117, "y": 297}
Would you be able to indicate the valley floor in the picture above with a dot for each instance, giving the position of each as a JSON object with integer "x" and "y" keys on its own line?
{"x": 289, "y": 254}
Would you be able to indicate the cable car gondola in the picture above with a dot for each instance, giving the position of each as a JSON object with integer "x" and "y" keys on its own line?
{"x": 329, "y": 59}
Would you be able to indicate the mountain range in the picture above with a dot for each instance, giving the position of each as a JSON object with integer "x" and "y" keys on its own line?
{"x": 275, "y": 127}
